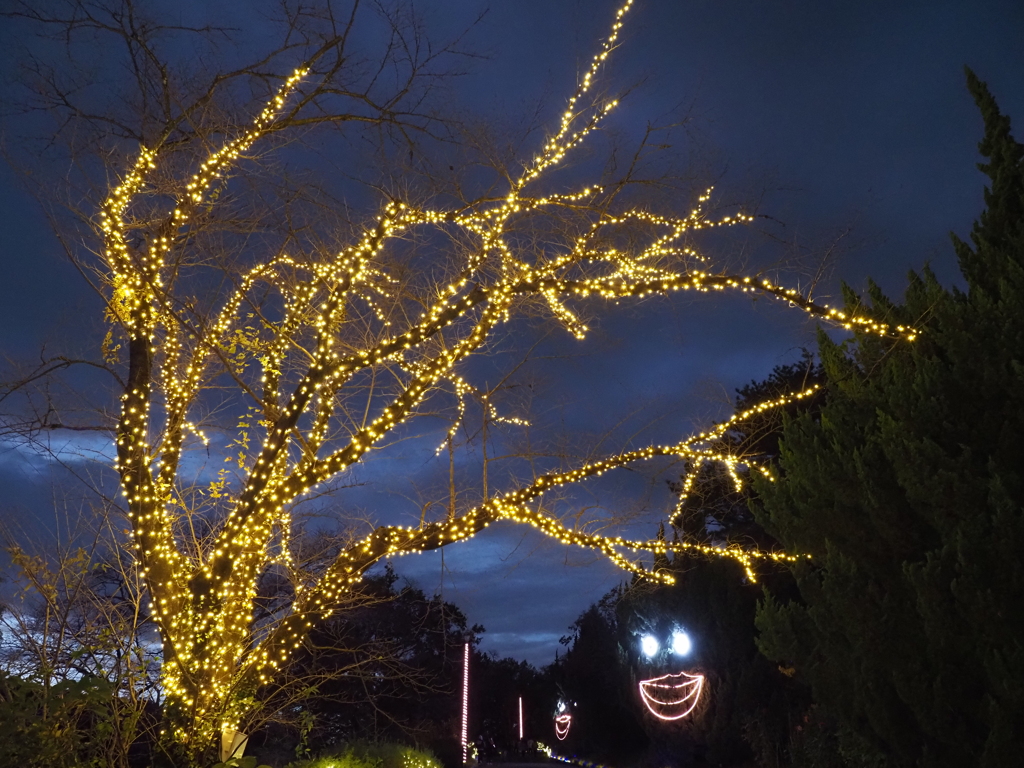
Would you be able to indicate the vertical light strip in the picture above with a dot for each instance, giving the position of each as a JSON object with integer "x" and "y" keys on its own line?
{"x": 465, "y": 702}
{"x": 520, "y": 718}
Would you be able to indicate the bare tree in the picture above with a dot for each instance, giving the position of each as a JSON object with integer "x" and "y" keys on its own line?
{"x": 74, "y": 617}
{"x": 320, "y": 355}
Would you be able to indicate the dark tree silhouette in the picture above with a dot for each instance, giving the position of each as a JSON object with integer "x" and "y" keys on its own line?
{"x": 908, "y": 490}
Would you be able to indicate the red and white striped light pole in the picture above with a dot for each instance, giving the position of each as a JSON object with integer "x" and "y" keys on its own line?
{"x": 465, "y": 703}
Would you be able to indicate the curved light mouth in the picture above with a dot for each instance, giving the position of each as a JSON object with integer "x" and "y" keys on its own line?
{"x": 562, "y": 723}
{"x": 671, "y": 697}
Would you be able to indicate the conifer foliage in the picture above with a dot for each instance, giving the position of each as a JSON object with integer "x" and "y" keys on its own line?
{"x": 908, "y": 488}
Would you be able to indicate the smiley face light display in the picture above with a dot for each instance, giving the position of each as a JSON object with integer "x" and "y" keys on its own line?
{"x": 674, "y": 695}
{"x": 562, "y": 721}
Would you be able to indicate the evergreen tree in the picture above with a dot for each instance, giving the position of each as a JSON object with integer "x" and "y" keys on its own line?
{"x": 496, "y": 685}
{"x": 714, "y": 509}
{"x": 386, "y": 669}
{"x": 749, "y": 703}
{"x": 594, "y": 679}
{"x": 908, "y": 491}
{"x": 746, "y": 701}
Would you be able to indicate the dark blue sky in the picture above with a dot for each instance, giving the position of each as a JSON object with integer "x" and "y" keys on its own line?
{"x": 841, "y": 118}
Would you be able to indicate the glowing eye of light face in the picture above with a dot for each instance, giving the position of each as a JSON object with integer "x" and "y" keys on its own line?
{"x": 681, "y": 644}
{"x": 561, "y": 707}
{"x": 671, "y": 697}
{"x": 649, "y": 645}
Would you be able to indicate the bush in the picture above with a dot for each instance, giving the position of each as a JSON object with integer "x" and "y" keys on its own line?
{"x": 63, "y": 724}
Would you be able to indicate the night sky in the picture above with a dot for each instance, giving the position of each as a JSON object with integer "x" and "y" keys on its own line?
{"x": 849, "y": 123}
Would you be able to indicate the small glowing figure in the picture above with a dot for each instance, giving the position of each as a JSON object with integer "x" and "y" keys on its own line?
{"x": 562, "y": 721}
{"x": 671, "y": 697}
{"x": 681, "y": 644}
{"x": 649, "y": 645}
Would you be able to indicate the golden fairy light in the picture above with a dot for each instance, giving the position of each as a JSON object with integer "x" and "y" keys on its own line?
{"x": 204, "y": 603}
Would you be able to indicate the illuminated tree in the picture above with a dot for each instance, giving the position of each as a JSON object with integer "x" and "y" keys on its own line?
{"x": 321, "y": 356}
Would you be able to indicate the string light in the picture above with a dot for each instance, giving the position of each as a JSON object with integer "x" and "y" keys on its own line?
{"x": 411, "y": 759}
{"x": 673, "y": 696}
{"x": 465, "y": 702}
{"x": 574, "y": 760}
{"x": 203, "y": 598}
